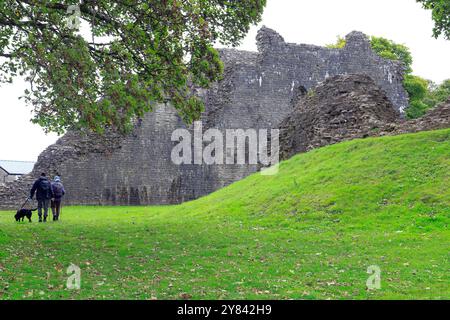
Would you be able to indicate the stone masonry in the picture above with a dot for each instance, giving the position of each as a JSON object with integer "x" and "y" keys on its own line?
{"x": 343, "y": 107}
{"x": 259, "y": 91}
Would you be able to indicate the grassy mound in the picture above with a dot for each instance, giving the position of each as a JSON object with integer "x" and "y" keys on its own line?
{"x": 309, "y": 232}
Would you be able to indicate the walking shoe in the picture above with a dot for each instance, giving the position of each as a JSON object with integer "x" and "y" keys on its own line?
{"x": 45, "y": 219}
{"x": 40, "y": 219}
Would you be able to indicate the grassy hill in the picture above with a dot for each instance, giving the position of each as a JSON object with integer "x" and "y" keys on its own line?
{"x": 309, "y": 232}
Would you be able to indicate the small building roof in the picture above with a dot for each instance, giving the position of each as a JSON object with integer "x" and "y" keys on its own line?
{"x": 16, "y": 167}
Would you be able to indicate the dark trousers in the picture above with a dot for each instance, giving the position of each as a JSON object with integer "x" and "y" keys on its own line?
{"x": 43, "y": 204}
{"x": 56, "y": 207}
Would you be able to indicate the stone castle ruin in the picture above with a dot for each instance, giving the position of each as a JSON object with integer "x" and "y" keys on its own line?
{"x": 259, "y": 91}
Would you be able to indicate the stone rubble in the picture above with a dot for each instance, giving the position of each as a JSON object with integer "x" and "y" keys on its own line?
{"x": 349, "y": 107}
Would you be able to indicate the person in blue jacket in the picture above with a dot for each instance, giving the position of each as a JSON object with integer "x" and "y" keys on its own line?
{"x": 58, "y": 193}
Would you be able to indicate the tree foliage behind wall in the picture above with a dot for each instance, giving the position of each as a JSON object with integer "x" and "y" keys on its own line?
{"x": 388, "y": 49}
{"x": 418, "y": 89}
{"x": 424, "y": 94}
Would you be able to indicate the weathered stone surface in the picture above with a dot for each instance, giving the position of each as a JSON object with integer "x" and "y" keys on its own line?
{"x": 342, "y": 108}
{"x": 258, "y": 91}
{"x": 348, "y": 107}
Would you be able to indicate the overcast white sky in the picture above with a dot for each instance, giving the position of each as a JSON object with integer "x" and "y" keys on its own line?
{"x": 299, "y": 21}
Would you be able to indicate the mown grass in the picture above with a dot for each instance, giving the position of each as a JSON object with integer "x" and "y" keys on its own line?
{"x": 309, "y": 232}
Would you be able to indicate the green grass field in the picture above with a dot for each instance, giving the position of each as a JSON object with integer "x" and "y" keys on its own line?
{"x": 309, "y": 232}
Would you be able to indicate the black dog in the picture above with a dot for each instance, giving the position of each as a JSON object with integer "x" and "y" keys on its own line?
{"x": 22, "y": 213}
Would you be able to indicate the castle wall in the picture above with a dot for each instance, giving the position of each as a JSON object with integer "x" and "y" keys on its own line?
{"x": 256, "y": 92}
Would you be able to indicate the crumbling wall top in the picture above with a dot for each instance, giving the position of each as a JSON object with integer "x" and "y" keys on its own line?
{"x": 268, "y": 39}
{"x": 357, "y": 41}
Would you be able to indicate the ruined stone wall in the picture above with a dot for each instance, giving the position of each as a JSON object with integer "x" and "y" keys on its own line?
{"x": 3, "y": 176}
{"x": 257, "y": 91}
{"x": 285, "y": 66}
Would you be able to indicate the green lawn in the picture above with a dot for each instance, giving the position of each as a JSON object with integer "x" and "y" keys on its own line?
{"x": 309, "y": 232}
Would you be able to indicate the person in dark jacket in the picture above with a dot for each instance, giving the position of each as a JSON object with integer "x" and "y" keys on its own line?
{"x": 43, "y": 190}
{"x": 58, "y": 193}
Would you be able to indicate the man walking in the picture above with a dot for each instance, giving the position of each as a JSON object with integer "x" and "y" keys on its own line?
{"x": 43, "y": 190}
{"x": 58, "y": 192}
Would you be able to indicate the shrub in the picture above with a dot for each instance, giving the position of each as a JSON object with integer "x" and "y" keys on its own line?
{"x": 416, "y": 109}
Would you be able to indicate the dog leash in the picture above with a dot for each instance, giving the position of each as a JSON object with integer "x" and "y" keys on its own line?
{"x": 26, "y": 201}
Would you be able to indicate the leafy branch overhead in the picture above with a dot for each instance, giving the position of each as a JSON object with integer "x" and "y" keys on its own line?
{"x": 441, "y": 15}
{"x": 127, "y": 56}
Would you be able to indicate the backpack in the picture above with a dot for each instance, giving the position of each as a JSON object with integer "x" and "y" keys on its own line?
{"x": 45, "y": 187}
{"x": 57, "y": 190}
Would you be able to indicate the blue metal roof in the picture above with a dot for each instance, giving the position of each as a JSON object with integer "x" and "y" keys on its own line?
{"x": 16, "y": 167}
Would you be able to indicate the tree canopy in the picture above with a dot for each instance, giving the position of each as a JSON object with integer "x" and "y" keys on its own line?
{"x": 127, "y": 56}
{"x": 441, "y": 16}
